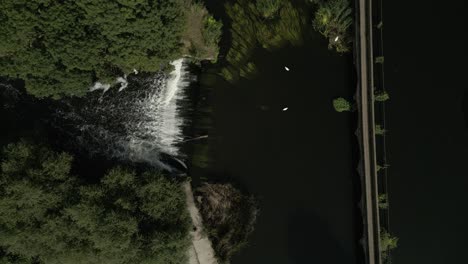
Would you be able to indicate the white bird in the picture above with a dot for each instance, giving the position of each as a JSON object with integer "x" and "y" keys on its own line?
{"x": 286, "y": 68}
{"x": 336, "y": 39}
{"x": 135, "y": 71}
{"x": 285, "y": 109}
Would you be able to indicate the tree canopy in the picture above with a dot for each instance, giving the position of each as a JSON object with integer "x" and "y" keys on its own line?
{"x": 388, "y": 243}
{"x": 341, "y": 105}
{"x": 60, "y": 47}
{"x": 228, "y": 215}
{"x": 48, "y": 215}
{"x": 333, "y": 19}
{"x": 381, "y": 96}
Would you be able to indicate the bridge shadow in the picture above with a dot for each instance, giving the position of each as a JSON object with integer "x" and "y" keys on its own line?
{"x": 465, "y": 107}
{"x": 310, "y": 240}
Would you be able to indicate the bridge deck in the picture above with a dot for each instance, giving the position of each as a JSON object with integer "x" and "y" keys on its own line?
{"x": 365, "y": 102}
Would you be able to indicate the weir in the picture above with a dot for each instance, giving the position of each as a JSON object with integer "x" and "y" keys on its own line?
{"x": 140, "y": 122}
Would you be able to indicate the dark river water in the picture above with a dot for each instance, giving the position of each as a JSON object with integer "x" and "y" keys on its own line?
{"x": 299, "y": 162}
{"x": 425, "y": 57}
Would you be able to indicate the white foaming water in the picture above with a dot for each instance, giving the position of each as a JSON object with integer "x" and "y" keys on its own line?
{"x": 100, "y": 86}
{"x": 140, "y": 122}
{"x": 123, "y": 82}
{"x": 160, "y": 126}
{"x": 106, "y": 86}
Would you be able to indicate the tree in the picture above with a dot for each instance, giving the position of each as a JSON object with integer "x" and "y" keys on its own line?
{"x": 333, "y": 19}
{"x": 48, "y": 215}
{"x": 383, "y": 203}
{"x": 387, "y": 244}
{"x": 379, "y": 130}
{"x": 381, "y": 96}
{"x": 341, "y": 105}
{"x": 379, "y": 60}
{"x": 229, "y": 217}
{"x": 61, "y": 47}
{"x": 381, "y": 167}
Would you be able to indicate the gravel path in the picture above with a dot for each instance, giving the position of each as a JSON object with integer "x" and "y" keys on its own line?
{"x": 201, "y": 251}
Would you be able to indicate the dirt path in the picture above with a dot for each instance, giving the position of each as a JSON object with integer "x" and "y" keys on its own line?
{"x": 201, "y": 251}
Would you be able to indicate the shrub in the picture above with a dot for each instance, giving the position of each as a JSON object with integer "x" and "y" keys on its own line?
{"x": 381, "y": 96}
{"x": 383, "y": 203}
{"x": 380, "y": 60}
{"x": 341, "y": 105}
{"x": 379, "y": 130}
{"x": 333, "y": 19}
{"x": 387, "y": 244}
{"x": 228, "y": 215}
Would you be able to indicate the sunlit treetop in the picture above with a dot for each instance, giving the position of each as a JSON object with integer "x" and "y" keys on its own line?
{"x": 49, "y": 215}
{"x": 60, "y": 47}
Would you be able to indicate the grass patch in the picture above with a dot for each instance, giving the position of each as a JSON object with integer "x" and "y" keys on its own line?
{"x": 202, "y": 33}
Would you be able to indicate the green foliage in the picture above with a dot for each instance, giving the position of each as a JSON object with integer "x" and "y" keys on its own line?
{"x": 381, "y": 96}
{"x": 250, "y": 30}
{"x": 268, "y": 8}
{"x": 202, "y": 33}
{"x": 383, "y": 203}
{"x": 379, "y": 130}
{"x": 380, "y": 60}
{"x": 60, "y": 47}
{"x": 382, "y": 167}
{"x": 333, "y": 19}
{"x": 47, "y": 215}
{"x": 212, "y": 30}
{"x": 341, "y": 105}
{"x": 387, "y": 244}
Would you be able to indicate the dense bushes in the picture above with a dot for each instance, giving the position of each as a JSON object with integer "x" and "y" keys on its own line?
{"x": 48, "y": 215}
{"x": 228, "y": 215}
{"x": 387, "y": 244}
{"x": 333, "y": 19}
{"x": 60, "y": 47}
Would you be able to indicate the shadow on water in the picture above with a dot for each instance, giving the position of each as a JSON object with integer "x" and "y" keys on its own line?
{"x": 311, "y": 238}
{"x": 465, "y": 107}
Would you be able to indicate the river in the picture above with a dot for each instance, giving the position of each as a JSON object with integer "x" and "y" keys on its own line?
{"x": 298, "y": 162}
{"x": 427, "y": 118}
